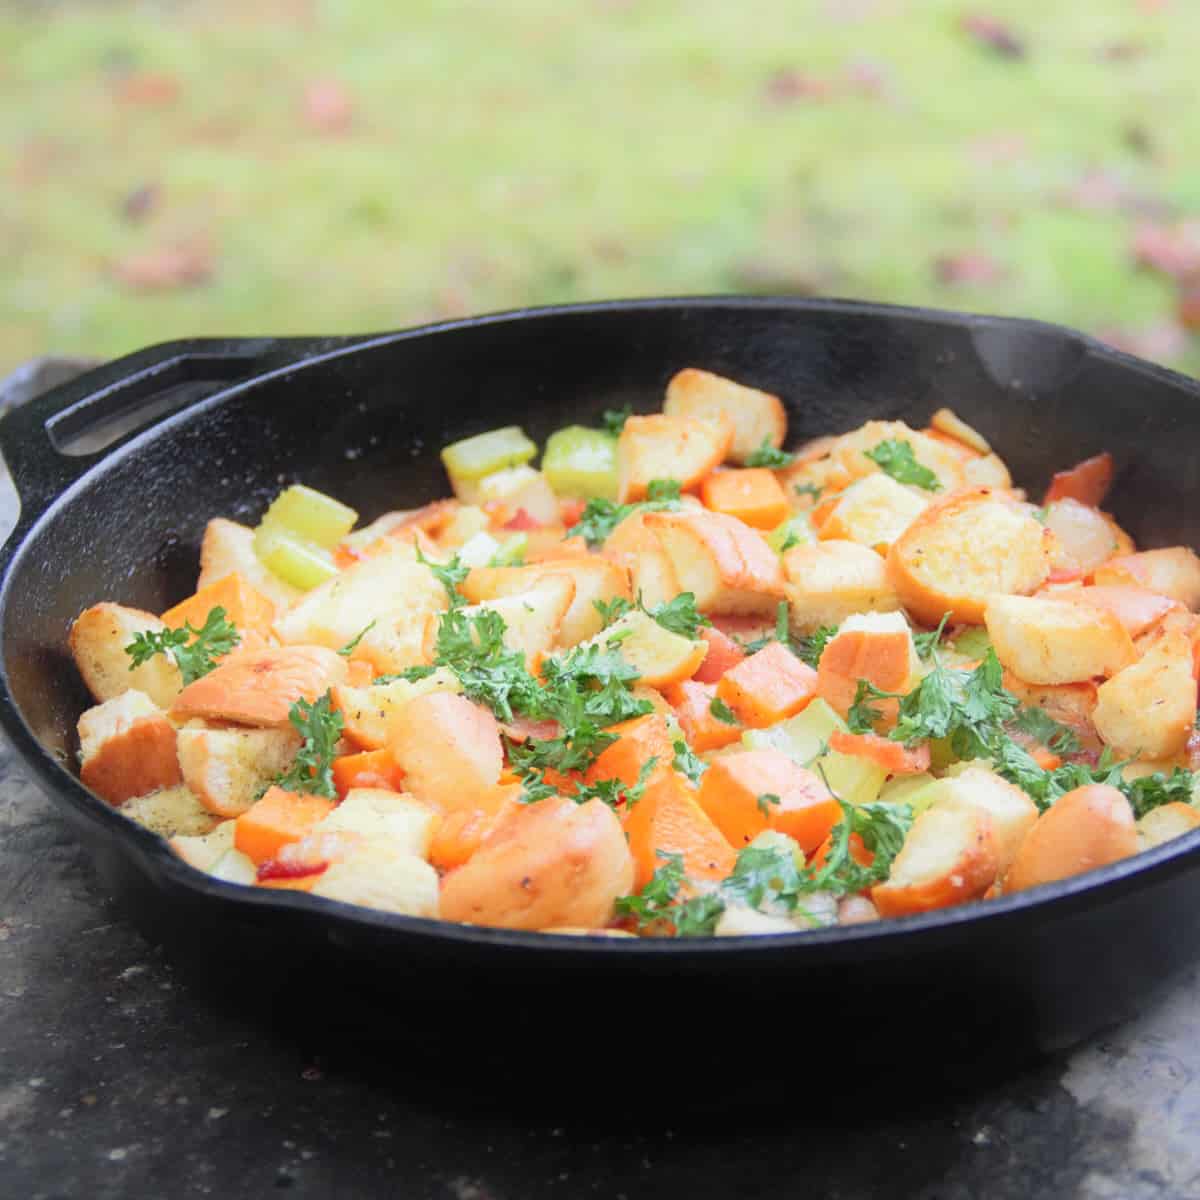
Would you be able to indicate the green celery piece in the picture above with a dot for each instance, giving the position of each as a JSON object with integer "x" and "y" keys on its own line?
{"x": 297, "y": 562}
{"x": 917, "y": 791}
{"x": 486, "y": 453}
{"x": 581, "y": 462}
{"x": 511, "y": 552}
{"x": 309, "y": 516}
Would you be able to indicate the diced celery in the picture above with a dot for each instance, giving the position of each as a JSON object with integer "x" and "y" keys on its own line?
{"x": 917, "y": 791}
{"x": 855, "y": 779}
{"x": 478, "y": 551}
{"x": 485, "y": 453}
{"x": 466, "y": 521}
{"x": 795, "y": 530}
{"x": 310, "y": 516}
{"x": 301, "y": 564}
{"x": 511, "y": 551}
{"x": 581, "y": 462}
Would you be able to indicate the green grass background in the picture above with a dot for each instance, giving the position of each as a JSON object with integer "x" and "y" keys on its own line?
{"x": 551, "y": 150}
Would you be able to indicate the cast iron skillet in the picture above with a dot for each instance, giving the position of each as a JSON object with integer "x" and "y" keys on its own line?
{"x": 364, "y": 419}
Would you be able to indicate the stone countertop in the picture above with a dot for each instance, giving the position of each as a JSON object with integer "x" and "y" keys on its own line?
{"x": 116, "y": 1080}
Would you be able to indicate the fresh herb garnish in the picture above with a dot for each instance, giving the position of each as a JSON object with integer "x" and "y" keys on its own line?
{"x": 449, "y": 575}
{"x": 808, "y": 489}
{"x": 895, "y": 458}
{"x": 194, "y": 658}
{"x": 792, "y": 539}
{"x": 811, "y": 648}
{"x": 687, "y": 761}
{"x": 490, "y": 673}
{"x": 927, "y": 643}
{"x": 612, "y": 610}
{"x": 767, "y": 455}
{"x": 679, "y": 616}
{"x": 409, "y": 675}
{"x": 615, "y": 792}
{"x": 765, "y": 801}
{"x": 612, "y": 420}
{"x": 601, "y": 517}
{"x": 352, "y": 644}
{"x": 1044, "y": 729}
{"x": 722, "y": 711}
{"x": 320, "y": 725}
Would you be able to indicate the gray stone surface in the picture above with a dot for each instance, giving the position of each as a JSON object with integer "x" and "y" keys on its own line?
{"x": 119, "y": 1080}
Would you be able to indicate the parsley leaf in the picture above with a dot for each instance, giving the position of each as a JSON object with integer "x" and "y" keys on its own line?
{"x": 765, "y": 801}
{"x": 449, "y": 575}
{"x": 194, "y": 658}
{"x": 687, "y": 762}
{"x": 680, "y": 615}
{"x": 767, "y": 455}
{"x": 612, "y": 420}
{"x": 808, "y": 489}
{"x": 927, "y": 643}
{"x": 352, "y": 644}
{"x": 722, "y": 711}
{"x": 600, "y": 517}
{"x": 861, "y": 717}
{"x": 409, "y": 675}
{"x": 811, "y": 648}
{"x": 615, "y": 792}
{"x": 312, "y": 769}
{"x": 792, "y": 539}
{"x": 653, "y": 903}
{"x": 612, "y": 610}
{"x": 1151, "y": 791}
{"x": 473, "y": 648}
{"x": 1044, "y": 729}
{"x": 895, "y": 457}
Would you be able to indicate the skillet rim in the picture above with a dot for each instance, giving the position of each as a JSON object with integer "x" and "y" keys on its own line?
{"x": 150, "y": 853}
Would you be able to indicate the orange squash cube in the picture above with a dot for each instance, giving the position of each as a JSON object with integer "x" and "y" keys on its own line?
{"x": 278, "y": 818}
{"x": 752, "y": 494}
{"x": 768, "y": 686}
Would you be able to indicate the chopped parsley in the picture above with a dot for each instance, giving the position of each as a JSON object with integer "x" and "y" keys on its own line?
{"x": 687, "y": 762}
{"x": 615, "y": 792}
{"x": 195, "y": 651}
{"x": 722, "y": 711}
{"x": 612, "y": 420}
{"x": 409, "y": 675}
{"x": 765, "y": 801}
{"x": 612, "y": 610}
{"x": 679, "y": 616}
{"x": 767, "y": 455}
{"x": 320, "y": 725}
{"x": 927, "y": 643}
{"x": 473, "y": 648}
{"x": 1044, "y": 729}
{"x": 811, "y": 648}
{"x": 808, "y": 489}
{"x": 352, "y": 644}
{"x": 601, "y": 517}
{"x": 895, "y": 457}
{"x": 449, "y": 575}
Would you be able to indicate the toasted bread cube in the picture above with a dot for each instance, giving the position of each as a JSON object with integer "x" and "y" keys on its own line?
{"x": 449, "y": 750}
{"x": 757, "y": 417}
{"x": 127, "y": 748}
{"x": 874, "y": 512}
{"x": 947, "y": 421}
{"x": 228, "y": 547}
{"x": 1139, "y": 610}
{"x": 382, "y": 875}
{"x": 830, "y": 581}
{"x": 950, "y": 856}
{"x": 368, "y": 713}
{"x": 876, "y": 647}
{"x": 1148, "y": 710}
{"x": 816, "y": 474}
{"x": 338, "y": 610}
{"x": 963, "y": 549}
{"x": 850, "y": 450}
{"x": 375, "y": 812}
{"x": 98, "y": 640}
{"x": 635, "y": 547}
{"x": 1086, "y": 537}
{"x": 726, "y": 565}
{"x": 659, "y": 656}
{"x": 506, "y": 493}
{"x": 171, "y": 812}
{"x": 1173, "y": 572}
{"x": 1084, "y": 829}
{"x": 532, "y": 619}
{"x": 595, "y": 578}
{"x": 227, "y": 769}
{"x": 986, "y": 471}
{"x": 1012, "y": 812}
{"x": 661, "y": 447}
{"x": 1166, "y": 822}
{"x": 1056, "y": 641}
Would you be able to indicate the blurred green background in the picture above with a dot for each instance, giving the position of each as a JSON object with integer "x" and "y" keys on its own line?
{"x": 303, "y": 166}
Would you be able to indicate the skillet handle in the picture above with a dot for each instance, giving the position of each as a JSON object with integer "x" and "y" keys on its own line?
{"x": 56, "y": 438}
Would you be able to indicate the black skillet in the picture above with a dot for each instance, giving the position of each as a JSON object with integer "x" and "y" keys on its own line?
{"x": 218, "y": 426}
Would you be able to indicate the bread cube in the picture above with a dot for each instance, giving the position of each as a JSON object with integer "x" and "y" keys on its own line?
{"x": 874, "y": 512}
{"x": 127, "y": 748}
{"x": 98, "y": 639}
{"x": 829, "y": 581}
{"x": 663, "y": 447}
{"x": 228, "y": 769}
{"x": 757, "y": 417}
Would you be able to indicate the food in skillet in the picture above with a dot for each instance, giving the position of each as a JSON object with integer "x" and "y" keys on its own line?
{"x": 677, "y": 682}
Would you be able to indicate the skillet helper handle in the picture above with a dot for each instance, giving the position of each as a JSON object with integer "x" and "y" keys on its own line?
{"x": 54, "y": 439}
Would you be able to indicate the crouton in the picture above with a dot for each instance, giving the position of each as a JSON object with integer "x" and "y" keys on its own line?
{"x": 829, "y": 581}
{"x": 948, "y": 422}
{"x": 986, "y": 471}
{"x": 171, "y": 812}
{"x": 228, "y": 547}
{"x": 375, "y": 812}
{"x": 635, "y": 548}
{"x": 98, "y": 640}
{"x": 874, "y": 512}
{"x": 259, "y": 687}
{"x": 961, "y": 550}
{"x": 1056, "y": 641}
{"x": 1148, "y": 710}
{"x": 727, "y": 566}
{"x": 850, "y": 450}
{"x": 228, "y": 769}
{"x": 532, "y": 619}
{"x": 1012, "y": 812}
{"x": 127, "y": 748}
{"x": 381, "y": 875}
{"x": 1166, "y": 822}
{"x": 369, "y": 712}
{"x": 661, "y": 447}
{"x": 757, "y": 417}
{"x": 1139, "y": 610}
{"x": 504, "y": 494}
{"x": 1084, "y": 829}
{"x": 659, "y": 656}
{"x": 1174, "y": 572}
